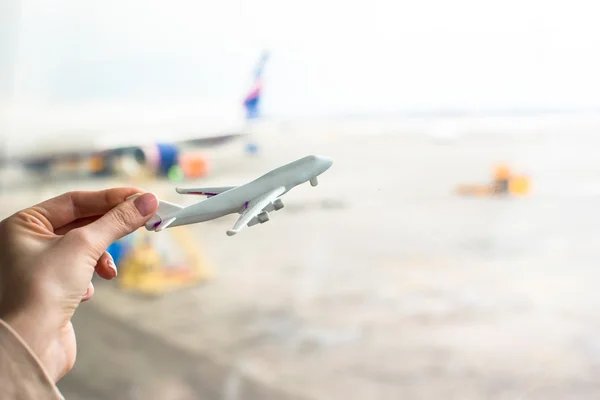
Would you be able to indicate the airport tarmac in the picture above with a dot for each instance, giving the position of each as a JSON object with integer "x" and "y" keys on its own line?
{"x": 380, "y": 283}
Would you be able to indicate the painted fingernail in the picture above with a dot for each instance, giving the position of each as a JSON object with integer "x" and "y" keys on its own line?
{"x": 111, "y": 264}
{"x": 146, "y": 203}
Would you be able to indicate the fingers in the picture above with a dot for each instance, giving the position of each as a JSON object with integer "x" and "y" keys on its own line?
{"x": 116, "y": 223}
{"x": 68, "y": 207}
{"x": 89, "y": 293}
{"x": 106, "y": 267}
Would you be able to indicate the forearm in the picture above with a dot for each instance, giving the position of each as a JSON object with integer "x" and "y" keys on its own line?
{"x": 22, "y": 376}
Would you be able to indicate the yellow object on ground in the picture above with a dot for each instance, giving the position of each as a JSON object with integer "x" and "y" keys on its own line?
{"x": 519, "y": 185}
{"x": 163, "y": 262}
{"x": 504, "y": 183}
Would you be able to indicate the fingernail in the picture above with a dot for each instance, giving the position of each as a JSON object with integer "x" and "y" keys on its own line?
{"x": 133, "y": 195}
{"x": 111, "y": 264}
{"x": 146, "y": 203}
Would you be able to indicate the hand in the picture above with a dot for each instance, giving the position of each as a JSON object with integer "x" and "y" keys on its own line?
{"x": 48, "y": 255}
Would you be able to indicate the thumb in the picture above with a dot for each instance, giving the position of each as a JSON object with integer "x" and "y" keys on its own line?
{"x": 120, "y": 221}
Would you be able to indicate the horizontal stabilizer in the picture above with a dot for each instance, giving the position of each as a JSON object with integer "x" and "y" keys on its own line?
{"x": 165, "y": 224}
{"x": 166, "y": 208}
{"x": 205, "y": 191}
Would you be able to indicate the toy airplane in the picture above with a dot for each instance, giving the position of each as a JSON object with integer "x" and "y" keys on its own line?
{"x": 253, "y": 201}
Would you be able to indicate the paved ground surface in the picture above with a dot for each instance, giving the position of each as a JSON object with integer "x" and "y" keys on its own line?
{"x": 378, "y": 284}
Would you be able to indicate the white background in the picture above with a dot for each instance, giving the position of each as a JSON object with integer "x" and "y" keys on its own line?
{"x": 327, "y": 56}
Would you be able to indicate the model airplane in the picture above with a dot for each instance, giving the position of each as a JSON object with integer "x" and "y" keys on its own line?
{"x": 253, "y": 201}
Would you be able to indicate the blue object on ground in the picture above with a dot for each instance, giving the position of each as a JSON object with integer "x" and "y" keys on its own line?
{"x": 119, "y": 249}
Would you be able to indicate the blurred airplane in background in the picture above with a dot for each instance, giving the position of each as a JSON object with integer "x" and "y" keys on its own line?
{"x": 115, "y": 136}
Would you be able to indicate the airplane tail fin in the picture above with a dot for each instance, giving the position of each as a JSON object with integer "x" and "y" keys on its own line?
{"x": 252, "y": 100}
{"x": 162, "y": 218}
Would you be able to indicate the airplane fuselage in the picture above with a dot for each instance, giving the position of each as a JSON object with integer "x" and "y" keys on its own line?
{"x": 237, "y": 199}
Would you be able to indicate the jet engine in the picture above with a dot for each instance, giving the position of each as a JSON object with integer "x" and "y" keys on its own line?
{"x": 278, "y": 204}
{"x": 157, "y": 159}
{"x": 275, "y": 206}
{"x": 259, "y": 219}
{"x": 263, "y": 217}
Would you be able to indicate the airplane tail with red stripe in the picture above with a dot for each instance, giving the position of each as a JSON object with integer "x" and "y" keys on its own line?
{"x": 252, "y": 100}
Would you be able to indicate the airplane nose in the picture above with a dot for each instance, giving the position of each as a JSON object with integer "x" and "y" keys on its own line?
{"x": 326, "y": 162}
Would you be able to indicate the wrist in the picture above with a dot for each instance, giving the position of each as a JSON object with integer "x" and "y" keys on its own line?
{"x": 37, "y": 334}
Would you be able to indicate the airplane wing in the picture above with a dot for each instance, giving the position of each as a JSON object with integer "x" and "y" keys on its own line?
{"x": 205, "y": 191}
{"x": 254, "y": 208}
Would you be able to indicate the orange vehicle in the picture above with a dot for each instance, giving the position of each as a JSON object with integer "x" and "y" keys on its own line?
{"x": 504, "y": 183}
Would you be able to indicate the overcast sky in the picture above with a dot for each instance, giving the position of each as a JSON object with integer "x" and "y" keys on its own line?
{"x": 327, "y": 56}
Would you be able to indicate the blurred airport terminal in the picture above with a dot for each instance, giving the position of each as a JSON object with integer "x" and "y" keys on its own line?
{"x": 452, "y": 250}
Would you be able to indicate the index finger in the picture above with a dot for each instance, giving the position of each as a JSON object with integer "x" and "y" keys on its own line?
{"x": 71, "y": 206}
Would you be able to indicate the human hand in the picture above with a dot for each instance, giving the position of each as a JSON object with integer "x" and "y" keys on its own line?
{"x": 48, "y": 255}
